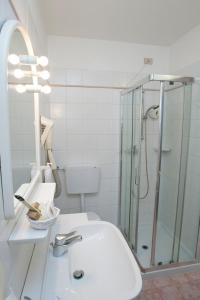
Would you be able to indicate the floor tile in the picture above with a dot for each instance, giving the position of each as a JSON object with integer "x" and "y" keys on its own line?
{"x": 180, "y": 286}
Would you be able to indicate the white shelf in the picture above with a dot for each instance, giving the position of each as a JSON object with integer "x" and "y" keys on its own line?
{"x": 22, "y": 232}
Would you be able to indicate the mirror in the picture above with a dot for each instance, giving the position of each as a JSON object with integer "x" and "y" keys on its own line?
{"x": 21, "y": 118}
{"x": 19, "y": 121}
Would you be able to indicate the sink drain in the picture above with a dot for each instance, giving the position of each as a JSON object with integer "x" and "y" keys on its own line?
{"x": 78, "y": 274}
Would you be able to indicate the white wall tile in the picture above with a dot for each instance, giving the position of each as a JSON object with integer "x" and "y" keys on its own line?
{"x": 57, "y": 110}
{"x": 75, "y": 95}
{"x": 86, "y": 131}
{"x": 75, "y": 77}
{"x": 58, "y": 95}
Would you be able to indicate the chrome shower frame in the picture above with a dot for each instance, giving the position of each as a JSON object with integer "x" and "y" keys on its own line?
{"x": 183, "y": 80}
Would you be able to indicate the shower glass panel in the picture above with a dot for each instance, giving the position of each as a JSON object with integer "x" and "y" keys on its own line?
{"x": 135, "y": 166}
{"x": 126, "y": 171}
{"x": 178, "y": 246}
{"x": 190, "y": 234}
{"x": 160, "y": 163}
{"x": 131, "y": 143}
{"x": 176, "y": 122}
{"x": 148, "y": 171}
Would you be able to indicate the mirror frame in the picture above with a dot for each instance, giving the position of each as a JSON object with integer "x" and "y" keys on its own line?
{"x": 9, "y": 209}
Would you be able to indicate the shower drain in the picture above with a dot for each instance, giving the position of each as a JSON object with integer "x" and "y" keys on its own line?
{"x": 145, "y": 247}
{"x": 78, "y": 274}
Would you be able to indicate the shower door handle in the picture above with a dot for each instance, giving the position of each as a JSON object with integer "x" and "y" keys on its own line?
{"x": 137, "y": 177}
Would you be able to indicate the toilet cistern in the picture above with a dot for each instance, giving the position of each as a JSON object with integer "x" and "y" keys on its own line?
{"x": 82, "y": 180}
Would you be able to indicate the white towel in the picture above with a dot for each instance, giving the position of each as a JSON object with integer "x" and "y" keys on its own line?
{"x": 51, "y": 159}
{"x": 48, "y": 175}
{"x": 33, "y": 170}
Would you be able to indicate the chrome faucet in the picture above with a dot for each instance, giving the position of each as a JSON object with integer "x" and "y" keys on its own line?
{"x": 62, "y": 242}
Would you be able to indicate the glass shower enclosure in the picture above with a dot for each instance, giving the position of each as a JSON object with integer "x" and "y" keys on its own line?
{"x": 160, "y": 170}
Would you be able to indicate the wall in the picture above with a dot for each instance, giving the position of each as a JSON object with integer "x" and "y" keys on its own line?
{"x": 87, "y": 131}
{"x": 16, "y": 258}
{"x": 77, "y": 53}
{"x": 184, "y": 54}
{"x": 29, "y": 14}
{"x": 87, "y": 121}
{"x": 6, "y": 11}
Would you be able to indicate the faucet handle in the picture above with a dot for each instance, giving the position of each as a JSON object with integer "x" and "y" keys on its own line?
{"x": 73, "y": 239}
{"x": 60, "y": 238}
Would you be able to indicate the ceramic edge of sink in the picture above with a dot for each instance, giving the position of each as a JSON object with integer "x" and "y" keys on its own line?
{"x": 138, "y": 283}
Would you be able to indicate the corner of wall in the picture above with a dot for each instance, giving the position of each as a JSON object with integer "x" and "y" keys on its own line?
{"x": 185, "y": 53}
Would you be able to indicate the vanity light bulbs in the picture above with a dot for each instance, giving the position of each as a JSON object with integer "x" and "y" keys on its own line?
{"x": 18, "y": 73}
{"x": 28, "y": 60}
{"x": 46, "y": 89}
{"x": 44, "y": 74}
{"x": 42, "y": 61}
{"x": 13, "y": 59}
{"x": 20, "y": 88}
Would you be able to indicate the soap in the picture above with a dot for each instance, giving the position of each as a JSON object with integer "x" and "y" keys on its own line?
{"x": 33, "y": 215}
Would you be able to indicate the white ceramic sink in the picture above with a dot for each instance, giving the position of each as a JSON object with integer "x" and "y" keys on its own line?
{"x": 110, "y": 270}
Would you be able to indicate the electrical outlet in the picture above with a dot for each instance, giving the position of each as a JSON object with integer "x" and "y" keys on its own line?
{"x": 148, "y": 61}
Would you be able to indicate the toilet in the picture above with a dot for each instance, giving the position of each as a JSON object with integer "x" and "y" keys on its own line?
{"x": 83, "y": 180}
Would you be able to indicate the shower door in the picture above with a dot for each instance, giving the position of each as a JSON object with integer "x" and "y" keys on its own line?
{"x": 187, "y": 247}
{"x": 126, "y": 149}
{"x": 130, "y": 164}
{"x": 136, "y": 158}
{"x": 173, "y": 163}
{"x": 174, "y": 154}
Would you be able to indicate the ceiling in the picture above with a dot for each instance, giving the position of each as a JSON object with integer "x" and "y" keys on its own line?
{"x": 158, "y": 22}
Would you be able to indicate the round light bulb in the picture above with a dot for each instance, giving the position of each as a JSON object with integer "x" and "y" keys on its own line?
{"x": 43, "y": 61}
{"x": 44, "y": 75}
{"x": 20, "y": 88}
{"x": 18, "y": 73}
{"x": 13, "y": 59}
{"x": 46, "y": 89}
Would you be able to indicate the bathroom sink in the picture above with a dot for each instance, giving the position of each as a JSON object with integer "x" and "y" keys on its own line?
{"x": 104, "y": 263}
{"x": 110, "y": 270}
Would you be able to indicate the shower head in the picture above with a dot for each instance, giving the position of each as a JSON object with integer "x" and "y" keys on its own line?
{"x": 153, "y": 107}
